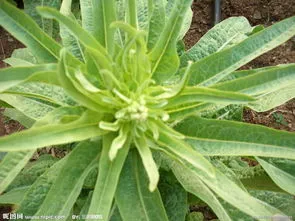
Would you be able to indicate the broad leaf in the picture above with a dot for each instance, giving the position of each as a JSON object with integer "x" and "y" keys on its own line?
{"x": 108, "y": 178}
{"x": 28, "y": 32}
{"x": 217, "y": 39}
{"x": 174, "y": 197}
{"x": 10, "y": 77}
{"x": 261, "y": 82}
{"x": 213, "y": 68}
{"x": 13, "y": 197}
{"x": 36, "y": 194}
{"x": 33, "y": 109}
{"x": 164, "y": 56}
{"x": 227, "y": 138}
{"x": 282, "y": 172}
{"x": 45, "y": 24}
{"x": 194, "y": 185}
{"x": 67, "y": 186}
{"x": 11, "y": 165}
{"x": 133, "y": 193}
{"x": 83, "y": 128}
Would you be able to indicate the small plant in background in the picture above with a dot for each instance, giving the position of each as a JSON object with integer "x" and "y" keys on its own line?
{"x": 147, "y": 119}
{"x": 279, "y": 118}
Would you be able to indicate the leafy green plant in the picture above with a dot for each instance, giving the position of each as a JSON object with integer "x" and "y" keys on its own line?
{"x": 140, "y": 113}
{"x": 279, "y": 118}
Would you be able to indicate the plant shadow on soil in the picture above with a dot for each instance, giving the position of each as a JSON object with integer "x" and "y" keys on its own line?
{"x": 265, "y": 12}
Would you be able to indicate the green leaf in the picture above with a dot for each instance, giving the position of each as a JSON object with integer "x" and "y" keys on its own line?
{"x": 73, "y": 88}
{"x": 148, "y": 162}
{"x": 217, "y": 38}
{"x": 103, "y": 15}
{"x": 10, "y": 77}
{"x": 191, "y": 95}
{"x": 282, "y": 201}
{"x": 19, "y": 116}
{"x": 32, "y": 171}
{"x": 261, "y": 82}
{"x": 54, "y": 134}
{"x": 76, "y": 30}
{"x": 133, "y": 193}
{"x": 194, "y": 185}
{"x": 45, "y": 24}
{"x": 213, "y": 68}
{"x": 164, "y": 56}
{"x": 273, "y": 99}
{"x": 227, "y": 138}
{"x": 50, "y": 94}
{"x": 86, "y": 7}
{"x": 156, "y": 23}
{"x": 69, "y": 41}
{"x": 38, "y": 191}
{"x": 21, "y": 57}
{"x": 11, "y": 165}
{"x": 228, "y": 191}
{"x": 182, "y": 151}
{"x": 282, "y": 174}
{"x": 29, "y": 107}
{"x": 67, "y": 186}
{"x": 115, "y": 214}
{"x": 174, "y": 197}
{"x": 13, "y": 197}
{"x": 108, "y": 178}
{"x": 28, "y": 32}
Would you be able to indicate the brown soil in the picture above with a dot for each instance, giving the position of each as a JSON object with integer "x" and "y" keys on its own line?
{"x": 8, "y": 126}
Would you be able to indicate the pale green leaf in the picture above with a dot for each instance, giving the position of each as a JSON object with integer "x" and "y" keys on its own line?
{"x": 133, "y": 193}
{"x": 46, "y": 92}
{"x": 164, "y": 55}
{"x": 156, "y": 22}
{"x": 237, "y": 197}
{"x": 217, "y": 38}
{"x": 108, "y": 178}
{"x": 68, "y": 40}
{"x": 103, "y": 13}
{"x": 17, "y": 115}
{"x": 228, "y": 138}
{"x": 261, "y": 82}
{"x": 194, "y": 185}
{"x": 87, "y": 15}
{"x": 28, "y": 32}
{"x": 192, "y": 95}
{"x": 213, "y": 68}
{"x": 13, "y": 197}
{"x": 54, "y": 134}
{"x": 282, "y": 174}
{"x": 148, "y": 162}
{"x": 45, "y": 24}
{"x": 11, "y": 165}
{"x": 37, "y": 192}
{"x": 184, "y": 152}
{"x": 76, "y": 30}
{"x": 10, "y": 77}
{"x": 29, "y": 107}
{"x": 274, "y": 99}
{"x": 67, "y": 186}
{"x": 174, "y": 196}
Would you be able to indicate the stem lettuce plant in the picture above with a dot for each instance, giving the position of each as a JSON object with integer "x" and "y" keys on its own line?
{"x": 139, "y": 112}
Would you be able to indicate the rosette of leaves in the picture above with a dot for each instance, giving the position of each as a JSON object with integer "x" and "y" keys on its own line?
{"x": 117, "y": 87}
